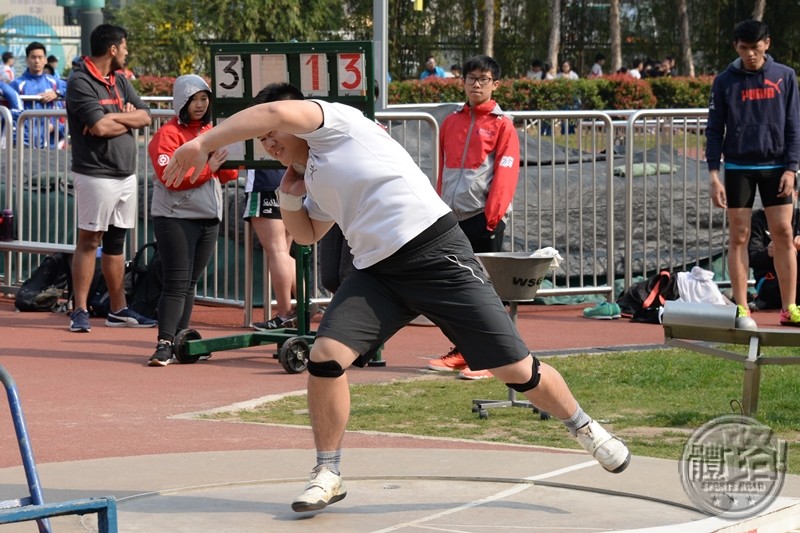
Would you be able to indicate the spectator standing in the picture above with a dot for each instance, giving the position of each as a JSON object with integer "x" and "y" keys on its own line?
{"x": 597, "y": 69}
{"x": 127, "y": 72}
{"x": 185, "y": 219}
{"x": 45, "y": 91}
{"x": 7, "y": 70}
{"x": 264, "y": 215}
{"x": 52, "y": 62}
{"x": 10, "y": 99}
{"x": 431, "y": 70}
{"x": 636, "y": 71}
{"x": 754, "y": 123}
{"x": 669, "y": 66}
{"x": 478, "y": 174}
{"x": 103, "y": 109}
{"x": 536, "y": 71}
{"x": 566, "y": 72}
{"x": 455, "y": 71}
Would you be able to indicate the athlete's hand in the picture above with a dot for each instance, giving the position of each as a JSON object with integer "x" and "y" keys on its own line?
{"x": 293, "y": 182}
{"x": 717, "y": 193}
{"x": 786, "y": 186}
{"x": 190, "y": 155}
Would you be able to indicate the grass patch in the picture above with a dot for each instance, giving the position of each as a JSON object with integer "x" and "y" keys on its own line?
{"x": 652, "y": 399}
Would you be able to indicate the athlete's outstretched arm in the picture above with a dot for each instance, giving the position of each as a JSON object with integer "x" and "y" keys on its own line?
{"x": 289, "y": 116}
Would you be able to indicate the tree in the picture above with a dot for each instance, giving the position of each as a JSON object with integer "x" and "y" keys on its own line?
{"x": 616, "y": 37}
{"x": 488, "y": 28}
{"x": 758, "y": 10}
{"x": 554, "y": 42}
{"x": 686, "y": 42}
{"x": 173, "y": 35}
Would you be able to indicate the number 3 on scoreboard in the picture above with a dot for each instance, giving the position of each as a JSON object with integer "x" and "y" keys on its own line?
{"x": 351, "y": 74}
{"x": 228, "y": 71}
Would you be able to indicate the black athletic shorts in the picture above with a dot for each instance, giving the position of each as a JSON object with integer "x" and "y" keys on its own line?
{"x": 436, "y": 275}
{"x": 740, "y": 187}
{"x": 262, "y": 204}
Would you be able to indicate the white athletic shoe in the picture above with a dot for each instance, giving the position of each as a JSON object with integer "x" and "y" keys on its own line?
{"x": 323, "y": 489}
{"x": 610, "y": 452}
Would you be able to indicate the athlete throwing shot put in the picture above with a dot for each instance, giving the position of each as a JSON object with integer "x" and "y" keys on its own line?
{"x": 411, "y": 258}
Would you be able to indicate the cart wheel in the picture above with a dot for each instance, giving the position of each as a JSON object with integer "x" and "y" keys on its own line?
{"x": 475, "y": 408}
{"x": 180, "y": 348}
{"x": 293, "y": 355}
{"x": 484, "y": 414}
{"x": 544, "y": 415}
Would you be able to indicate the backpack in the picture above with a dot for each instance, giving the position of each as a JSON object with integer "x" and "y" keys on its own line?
{"x": 643, "y": 300}
{"x": 50, "y": 282}
{"x": 143, "y": 283}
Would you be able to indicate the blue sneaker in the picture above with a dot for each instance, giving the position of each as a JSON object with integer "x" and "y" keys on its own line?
{"x": 79, "y": 321}
{"x": 128, "y": 318}
{"x": 603, "y": 311}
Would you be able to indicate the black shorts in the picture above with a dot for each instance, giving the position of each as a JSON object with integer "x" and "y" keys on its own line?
{"x": 740, "y": 187}
{"x": 262, "y": 204}
{"x": 439, "y": 278}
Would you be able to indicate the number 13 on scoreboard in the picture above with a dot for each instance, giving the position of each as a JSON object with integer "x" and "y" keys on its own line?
{"x": 352, "y": 81}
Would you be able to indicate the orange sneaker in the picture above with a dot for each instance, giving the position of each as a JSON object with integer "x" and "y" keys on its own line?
{"x": 474, "y": 374}
{"x": 453, "y": 361}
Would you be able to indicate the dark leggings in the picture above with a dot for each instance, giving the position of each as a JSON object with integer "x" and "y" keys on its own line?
{"x": 185, "y": 247}
{"x": 481, "y": 239}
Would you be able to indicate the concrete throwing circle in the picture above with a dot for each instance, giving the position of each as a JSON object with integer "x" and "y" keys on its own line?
{"x": 396, "y": 504}
{"x": 733, "y": 467}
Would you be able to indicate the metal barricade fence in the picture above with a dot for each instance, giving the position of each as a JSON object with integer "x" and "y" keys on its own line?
{"x": 636, "y": 206}
{"x": 565, "y": 197}
{"x": 670, "y": 221}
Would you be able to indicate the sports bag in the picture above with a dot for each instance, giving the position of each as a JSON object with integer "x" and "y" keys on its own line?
{"x": 50, "y": 282}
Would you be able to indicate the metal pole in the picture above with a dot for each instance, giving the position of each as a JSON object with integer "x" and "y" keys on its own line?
{"x": 380, "y": 36}
{"x": 90, "y": 19}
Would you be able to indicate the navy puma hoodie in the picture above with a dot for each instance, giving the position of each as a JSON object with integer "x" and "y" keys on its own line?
{"x": 754, "y": 117}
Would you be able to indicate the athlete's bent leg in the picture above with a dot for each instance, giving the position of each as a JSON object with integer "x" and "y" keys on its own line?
{"x": 329, "y": 410}
{"x": 550, "y": 393}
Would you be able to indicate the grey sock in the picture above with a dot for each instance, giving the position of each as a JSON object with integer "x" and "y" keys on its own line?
{"x": 578, "y": 419}
{"x": 330, "y": 459}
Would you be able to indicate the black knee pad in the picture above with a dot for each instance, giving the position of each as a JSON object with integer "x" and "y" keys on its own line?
{"x": 531, "y": 384}
{"x": 114, "y": 241}
{"x": 326, "y": 369}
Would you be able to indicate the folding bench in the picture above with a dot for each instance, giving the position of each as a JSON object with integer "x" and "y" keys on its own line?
{"x": 703, "y": 327}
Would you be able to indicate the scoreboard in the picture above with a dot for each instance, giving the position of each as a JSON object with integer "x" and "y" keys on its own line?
{"x": 337, "y": 71}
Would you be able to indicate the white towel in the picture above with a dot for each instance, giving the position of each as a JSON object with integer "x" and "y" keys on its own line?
{"x": 698, "y": 286}
{"x": 549, "y": 251}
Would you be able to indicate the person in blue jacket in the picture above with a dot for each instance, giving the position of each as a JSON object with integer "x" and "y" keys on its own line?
{"x": 10, "y": 99}
{"x": 754, "y": 123}
{"x": 40, "y": 90}
{"x": 431, "y": 70}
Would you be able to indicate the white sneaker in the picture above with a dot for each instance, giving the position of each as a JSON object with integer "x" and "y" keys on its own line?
{"x": 323, "y": 489}
{"x": 610, "y": 452}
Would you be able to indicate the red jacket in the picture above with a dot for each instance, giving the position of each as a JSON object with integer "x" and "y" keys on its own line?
{"x": 172, "y": 136}
{"x": 478, "y": 162}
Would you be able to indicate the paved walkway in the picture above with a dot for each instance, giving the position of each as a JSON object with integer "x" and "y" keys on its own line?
{"x": 102, "y": 423}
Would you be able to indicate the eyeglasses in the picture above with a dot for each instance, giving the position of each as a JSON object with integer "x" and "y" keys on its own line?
{"x": 483, "y": 80}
